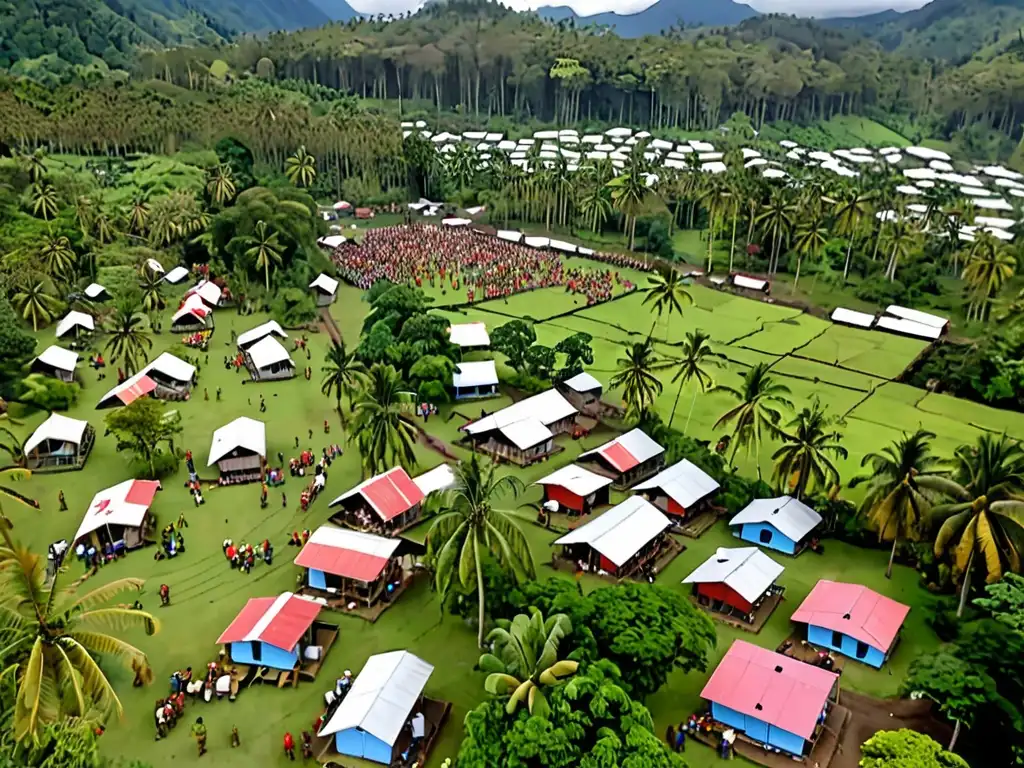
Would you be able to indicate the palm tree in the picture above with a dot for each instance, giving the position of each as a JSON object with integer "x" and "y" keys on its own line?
{"x": 34, "y": 165}
{"x": 635, "y": 374}
{"x": 895, "y": 504}
{"x": 809, "y": 442}
{"x": 151, "y": 284}
{"x": 220, "y": 185}
{"x": 264, "y": 250}
{"x": 44, "y": 200}
{"x": 697, "y": 357}
{"x": 58, "y": 256}
{"x": 300, "y": 168}
{"x": 138, "y": 215}
{"x": 343, "y": 374}
{"x": 36, "y": 304}
{"x": 984, "y": 518}
{"x": 776, "y": 221}
{"x": 901, "y": 240}
{"x": 668, "y": 294}
{"x": 59, "y": 640}
{"x": 127, "y": 340}
{"x": 384, "y": 436}
{"x": 103, "y": 228}
{"x": 849, "y": 212}
{"x": 525, "y": 657}
{"x": 989, "y": 267}
{"x": 459, "y": 538}
{"x": 758, "y": 411}
{"x": 630, "y": 195}
{"x": 811, "y": 236}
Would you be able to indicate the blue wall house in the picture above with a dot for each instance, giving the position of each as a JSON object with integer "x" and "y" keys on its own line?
{"x": 852, "y": 620}
{"x": 771, "y": 698}
{"x": 383, "y": 699}
{"x": 268, "y": 631}
{"x": 783, "y": 524}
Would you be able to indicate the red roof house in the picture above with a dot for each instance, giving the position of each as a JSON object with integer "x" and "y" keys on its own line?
{"x": 350, "y": 565}
{"x": 268, "y": 630}
{"x": 389, "y": 502}
{"x": 627, "y": 459}
{"x": 853, "y": 620}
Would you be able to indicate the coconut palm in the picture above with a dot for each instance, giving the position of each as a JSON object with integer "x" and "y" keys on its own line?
{"x": 895, "y": 504}
{"x": 138, "y": 215}
{"x": 849, "y": 212}
{"x": 34, "y": 164}
{"x": 697, "y": 357}
{"x": 758, "y": 412}
{"x": 300, "y": 168}
{"x": 151, "y": 284}
{"x": 220, "y": 184}
{"x": 44, "y": 200}
{"x": 103, "y": 228}
{"x": 810, "y": 442}
{"x": 984, "y": 517}
{"x": 988, "y": 268}
{"x": 58, "y": 256}
{"x": 36, "y": 303}
{"x": 384, "y": 435}
{"x": 776, "y": 222}
{"x": 900, "y": 240}
{"x": 264, "y": 249}
{"x": 635, "y": 375}
{"x": 343, "y": 374}
{"x": 472, "y": 528}
{"x": 524, "y": 658}
{"x": 630, "y": 196}
{"x": 668, "y": 294}
{"x": 811, "y": 236}
{"x": 127, "y": 340}
{"x": 59, "y": 639}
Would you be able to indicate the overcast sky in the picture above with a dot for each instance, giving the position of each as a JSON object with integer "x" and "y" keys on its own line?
{"x": 589, "y": 7}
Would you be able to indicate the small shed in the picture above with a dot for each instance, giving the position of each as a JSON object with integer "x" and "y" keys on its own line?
{"x": 682, "y": 491}
{"x": 751, "y": 283}
{"x": 351, "y": 566}
{"x": 582, "y": 390}
{"x": 193, "y": 316}
{"x": 852, "y": 318}
{"x": 260, "y": 332}
{"x": 783, "y": 524}
{"x": 271, "y": 631}
{"x": 735, "y": 581}
{"x": 380, "y": 711}
{"x": 386, "y": 503}
{"x": 469, "y": 336}
{"x": 75, "y": 324}
{"x": 771, "y": 698}
{"x": 852, "y": 620}
{"x": 620, "y": 540}
{"x": 627, "y": 459}
{"x": 325, "y": 289}
{"x": 59, "y": 443}
{"x": 128, "y": 391}
{"x": 268, "y": 360}
{"x": 96, "y": 292}
{"x": 57, "y": 362}
{"x": 575, "y": 489}
{"x": 479, "y": 379}
{"x": 208, "y": 291}
{"x": 118, "y": 515}
{"x": 172, "y": 375}
{"x": 525, "y": 431}
{"x": 175, "y": 275}
{"x": 239, "y": 450}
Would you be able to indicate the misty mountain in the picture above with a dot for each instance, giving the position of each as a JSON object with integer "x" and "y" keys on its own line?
{"x": 661, "y": 16}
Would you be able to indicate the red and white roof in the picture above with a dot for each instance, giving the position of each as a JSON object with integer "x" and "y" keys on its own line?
{"x": 122, "y": 504}
{"x": 627, "y": 451}
{"x": 325, "y": 284}
{"x": 59, "y": 358}
{"x": 854, "y": 610}
{"x": 345, "y": 553}
{"x": 622, "y": 531}
{"x": 389, "y": 494}
{"x": 790, "y": 517}
{"x": 127, "y": 392}
{"x": 746, "y": 570}
{"x": 685, "y": 483}
{"x": 245, "y": 433}
{"x": 193, "y": 306}
{"x": 207, "y": 291}
{"x": 75, "y": 319}
{"x": 57, "y": 428}
{"x": 770, "y": 687}
{"x": 469, "y": 335}
{"x": 577, "y": 480}
{"x": 278, "y": 621}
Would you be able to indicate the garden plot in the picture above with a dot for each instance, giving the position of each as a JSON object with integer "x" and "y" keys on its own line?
{"x": 872, "y": 352}
{"x": 813, "y": 372}
{"x": 974, "y": 414}
{"x": 783, "y": 336}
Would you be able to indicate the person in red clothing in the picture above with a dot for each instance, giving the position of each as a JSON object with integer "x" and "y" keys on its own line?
{"x": 289, "y": 745}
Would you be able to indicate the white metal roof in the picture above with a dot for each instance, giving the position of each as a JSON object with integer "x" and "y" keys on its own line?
{"x": 992, "y": 203}
{"x": 325, "y": 283}
{"x": 243, "y": 432}
{"x": 751, "y": 283}
{"x": 469, "y": 335}
{"x": 684, "y": 482}
{"x": 357, "y": 541}
{"x": 382, "y": 696}
{"x": 747, "y": 570}
{"x": 537, "y": 242}
{"x": 57, "y": 427}
{"x": 112, "y": 506}
{"x": 207, "y": 291}
{"x": 908, "y": 327}
{"x": 171, "y": 366}
{"x": 176, "y": 275}
{"x": 73, "y": 319}
{"x": 58, "y": 357}
{"x": 546, "y": 407}
{"x": 852, "y": 317}
{"x": 576, "y": 479}
{"x": 93, "y": 290}
{"x": 636, "y": 442}
{"x": 526, "y": 433}
{"x": 917, "y": 316}
{"x": 332, "y": 241}
{"x": 268, "y": 351}
{"x": 440, "y": 478}
{"x": 622, "y": 531}
{"x": 478, "y": 374}
{"x": 510, "y": 234}
{"x": 456, "y": 222}
{"x": 792, "y": 518}
{"x": 926, "y": 153}
{"x": 260, "y": 331}
{"x": 583, "y": 382}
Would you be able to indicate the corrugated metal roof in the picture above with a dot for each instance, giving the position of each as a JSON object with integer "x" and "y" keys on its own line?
{"x": 382, "y": 696}
{"x": 59, "y": 358}
{"x": 176, "y": 275}
{"x": 243, "y": 432}
{"x": 908, "y": 328}
{"x": 750, "y": 283}
{"x": 770, "y": 687}
{"x": 852, "y": 317}
{"x": 526, "y": 433}
{"x": 792, "y": 518}
{"x": 278, "y": 621}
{"x": 173, "y": 367}
{"x": 583, "y": 382}
{"x": 122, "y": 504}
{"x": 57, "y": 427}
{"x": 684, "y": 482}
{"x": 917, "y": 316}
{"x": 345, "y": 553}
{"x": 440, "y": 478}
{"x": 93, "y": 290}
{"x": 547, "y": 408}
{"x": 271, "y": 327}
{"x": 478, "y": 374}
{"x": 325, "y": 283}
{"x": 268, "y": 351}
{"x": 389, "y": 494}
{"x": 576, "y": 479}
{"x": 469, "y": 335}
{"x": 207, "y": 291}
{"x": 627, "y": 451}
{"x": 73, "y": 319}
{"x": 854, "y": 610}
{"x": 622, "y": 531}
{"x": 747, "y": 570}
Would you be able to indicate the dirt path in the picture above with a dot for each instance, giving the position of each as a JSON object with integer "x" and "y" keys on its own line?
{"x": 329, "y": 325}
{"x": 870, "y": 715}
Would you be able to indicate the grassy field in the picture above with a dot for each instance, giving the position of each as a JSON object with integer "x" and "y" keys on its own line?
{"x": 206, "y": 594}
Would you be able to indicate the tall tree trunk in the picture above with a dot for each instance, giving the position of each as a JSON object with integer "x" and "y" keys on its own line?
{"x": 846, "y": 264}
{"x": 956, "y": 735}
{"x": 479, "y": 591}
{"x": 892, "y": 557}
{"x": 965, "y": 588}
{"x": 689, "y": 415}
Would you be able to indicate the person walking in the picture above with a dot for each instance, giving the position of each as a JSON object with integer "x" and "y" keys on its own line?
{"x": 289, "y": 745}
{"x": 182, "y": 522}
{"x": 680, "y": 744}
{"x": 199, "y": 731}
{"x": 263, "y": 405}
{"x": 63, "y": 503}
{"x": 284, "y": 501}
{"x": 165, "y": 595}
{"x": 670, "y": 735}
{"x": 235, "y": 740}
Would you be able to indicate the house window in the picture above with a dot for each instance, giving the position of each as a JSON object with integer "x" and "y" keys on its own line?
{"x": 257, "y": 651}
{"x": 862, "y": 650}
{"x": 766, "y": 536}
{"x": 837, "y": 639}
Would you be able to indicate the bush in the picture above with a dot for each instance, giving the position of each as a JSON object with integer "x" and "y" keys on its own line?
{"x": 48, "y": 393}
{"x": 880, "y": 290}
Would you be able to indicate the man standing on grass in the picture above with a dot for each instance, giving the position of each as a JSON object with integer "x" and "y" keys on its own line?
{"x": 63, "y": 503}
{"x": 199, "y": 731}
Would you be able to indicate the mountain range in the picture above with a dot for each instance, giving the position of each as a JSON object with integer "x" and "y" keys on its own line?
{"x": 659, "y": 17}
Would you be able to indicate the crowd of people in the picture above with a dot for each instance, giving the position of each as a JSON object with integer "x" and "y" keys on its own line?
{"x": 484, "y": 267}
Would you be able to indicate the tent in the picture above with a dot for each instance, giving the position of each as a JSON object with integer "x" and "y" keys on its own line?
{"x": 239, "y": 449}
{"x": 57, "y": 362}
{"x": 192, "y": 316}
{"x": 619, "y": 540}
{"x": 782, "y": 524}
{"x": 325, "y": 288}
{"x": 75, "y": 323}
{"x": 268, "y": 631}
{"x": 250, "y": 337}
{"x": 172, "y": 375}
{"x": 479, "y": 379}
{"x": 575, "y": 490}
{"x": 389, "y": 502}
{"x": 127, "y": 392}
{"x": 627, "y": 459}
{"x": 267, "y": 360}
{"x": 59, "y": 443}
{"x": 118, "y": 515}
{"x": 96, "y": 292}
{"x": 682, "y": 490}
{"x": 209, "y": 292}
